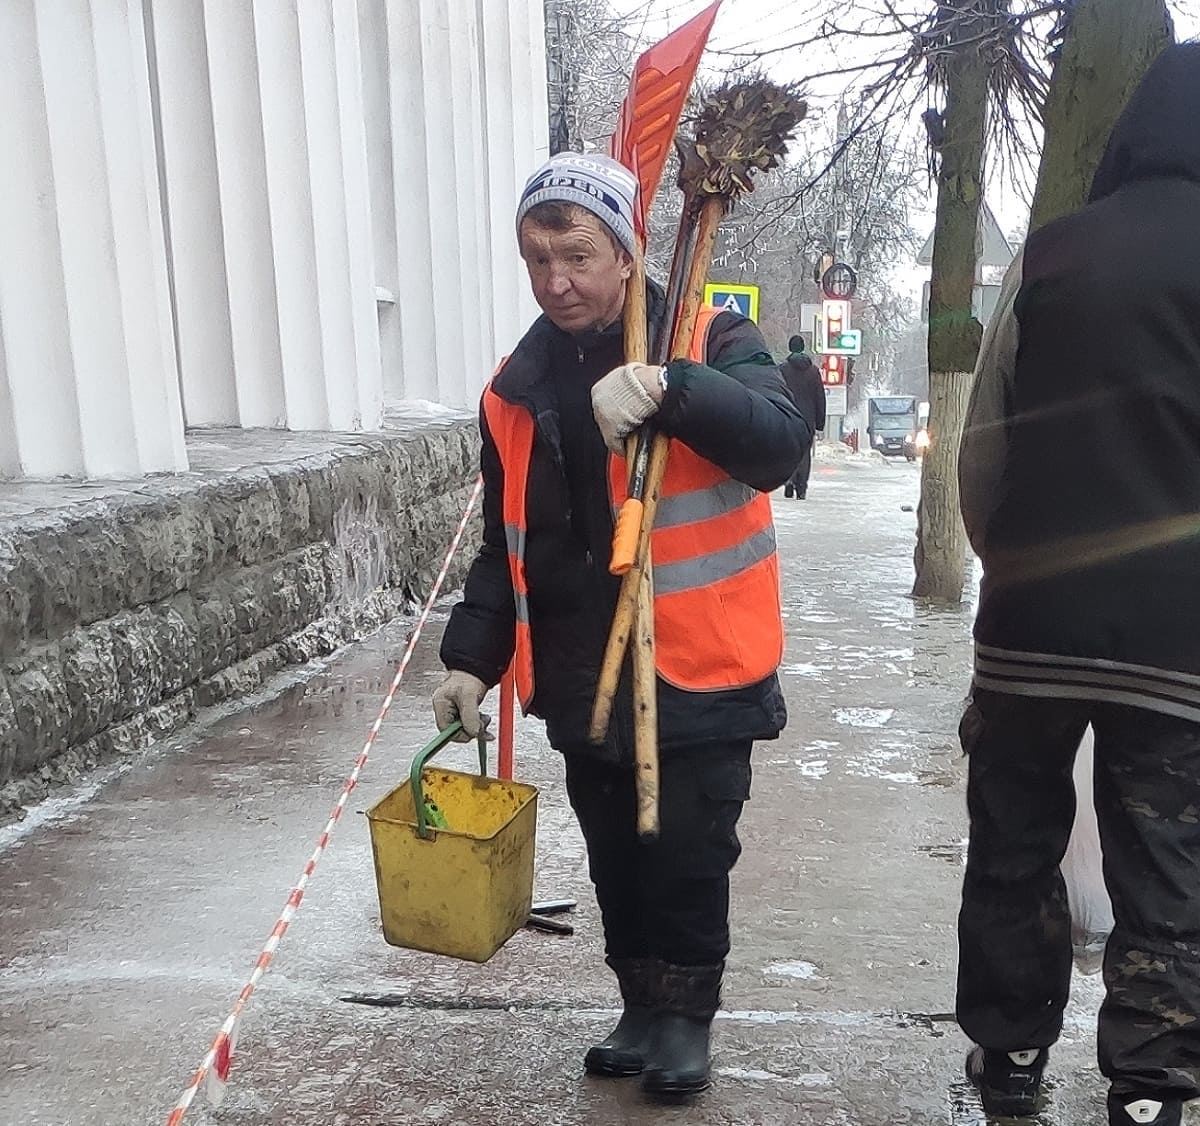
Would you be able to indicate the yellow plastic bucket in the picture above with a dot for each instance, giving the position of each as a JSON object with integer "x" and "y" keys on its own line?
{"x": 465, "y": 889}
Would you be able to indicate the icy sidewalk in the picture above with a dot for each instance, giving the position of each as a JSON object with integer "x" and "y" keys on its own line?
{"x": 127, "y": 928}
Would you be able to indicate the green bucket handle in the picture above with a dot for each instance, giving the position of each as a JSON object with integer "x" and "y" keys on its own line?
{"x": 427, "y": 752}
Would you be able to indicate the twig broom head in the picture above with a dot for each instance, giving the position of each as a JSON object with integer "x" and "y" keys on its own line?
{"x": 743, "y": 128}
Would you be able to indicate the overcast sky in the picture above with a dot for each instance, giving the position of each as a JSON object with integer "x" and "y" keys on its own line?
{"x": 752, "y": 25}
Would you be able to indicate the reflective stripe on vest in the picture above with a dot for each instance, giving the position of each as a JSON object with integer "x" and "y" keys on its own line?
{"x": 511, "y": 428}
{"x": 515, "y": 538}
{"x": 713, "y": 548}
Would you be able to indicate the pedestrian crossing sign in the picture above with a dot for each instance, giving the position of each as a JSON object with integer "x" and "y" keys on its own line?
{"x": 736, "y": 298}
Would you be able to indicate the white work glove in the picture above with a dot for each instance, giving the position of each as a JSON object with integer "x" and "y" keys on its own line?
{"x": 458, "y": 698}
{"x": 624, "y": 399}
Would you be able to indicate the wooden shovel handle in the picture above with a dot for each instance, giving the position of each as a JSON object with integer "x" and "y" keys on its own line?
{"x": 645, "y": 710}
{"x": 627, "y": 600}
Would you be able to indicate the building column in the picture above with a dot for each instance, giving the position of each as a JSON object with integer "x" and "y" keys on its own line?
{"x": 471, "y": 190}
{"x": 328, "y": 224}
{"x": 194, "y": 213}
{"x": 500, "y": 130}
{"x": 530, "y": 108}
{"x": 290, "y": 204}
{"x": 356, "y": 179}
{"x": 377, "y": 117}
{"x": 415, "y": 297}
{"x": 445, "y": 301}
{"x": 539, "y": 108}
{"x": 89, "y": 360}
{"x": 249, "y": 251}
{"x": 500, "y": 143}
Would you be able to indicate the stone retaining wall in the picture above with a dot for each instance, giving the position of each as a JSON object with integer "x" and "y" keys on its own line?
{"x": 124, "y": 608}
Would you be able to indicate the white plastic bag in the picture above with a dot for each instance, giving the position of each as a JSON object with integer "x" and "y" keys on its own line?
{"x": 1083, "y": 870}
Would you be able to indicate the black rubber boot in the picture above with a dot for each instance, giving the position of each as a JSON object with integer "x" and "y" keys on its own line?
{"x": 623, "y": 1051}
{"x": 677, "y": 1064}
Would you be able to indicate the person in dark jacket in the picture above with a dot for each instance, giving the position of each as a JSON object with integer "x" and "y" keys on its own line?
{"x": 664, "y": 904}
{"x": 803, "y": 379}
{"x": 1080, "y": 478}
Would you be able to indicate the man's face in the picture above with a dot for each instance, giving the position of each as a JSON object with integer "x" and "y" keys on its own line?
{"x": 578, "y": 276}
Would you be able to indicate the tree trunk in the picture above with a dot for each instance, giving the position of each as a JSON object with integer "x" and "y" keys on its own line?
{"x": 1108, "y": 47}
{"x": 954, "y": 333}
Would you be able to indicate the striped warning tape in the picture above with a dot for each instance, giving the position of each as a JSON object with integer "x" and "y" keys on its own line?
{"x": 213, "y": 1071}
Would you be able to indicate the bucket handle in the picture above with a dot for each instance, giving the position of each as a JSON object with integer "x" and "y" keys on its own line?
{"x": 427, "y": 752}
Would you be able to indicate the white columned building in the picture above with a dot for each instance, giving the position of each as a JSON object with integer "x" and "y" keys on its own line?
{"x": 266, "y": 213}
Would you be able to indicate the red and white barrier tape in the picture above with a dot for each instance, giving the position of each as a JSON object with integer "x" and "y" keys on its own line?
{"x": 214, "y": 1068}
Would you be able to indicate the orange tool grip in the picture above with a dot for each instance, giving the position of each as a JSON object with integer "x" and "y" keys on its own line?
{"x": 625, "y": 536}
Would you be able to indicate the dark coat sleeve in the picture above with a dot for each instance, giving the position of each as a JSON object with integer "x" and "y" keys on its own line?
{"x": 481, "y": 634}
{"x": 735, "y": 411}
{"x": 818, "y": 394}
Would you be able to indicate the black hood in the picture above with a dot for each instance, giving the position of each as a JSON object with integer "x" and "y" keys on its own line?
{"x": 1158, "y": 135}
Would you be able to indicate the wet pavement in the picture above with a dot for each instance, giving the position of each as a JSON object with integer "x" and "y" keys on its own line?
{"x": 132, "y": 913}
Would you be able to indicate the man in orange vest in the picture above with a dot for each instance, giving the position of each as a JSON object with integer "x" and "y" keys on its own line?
{"x": 539, "y": 595}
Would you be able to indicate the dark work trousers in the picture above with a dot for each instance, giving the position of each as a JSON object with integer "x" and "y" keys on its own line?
{"x": 1014, "y": 928}
{"x": 668, "y": 899}
{"x": 798, "y": 482}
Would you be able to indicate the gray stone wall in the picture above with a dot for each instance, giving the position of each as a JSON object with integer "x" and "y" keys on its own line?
{"x": 124, "y": 608}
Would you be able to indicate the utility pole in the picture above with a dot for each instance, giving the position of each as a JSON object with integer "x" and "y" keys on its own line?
{"x": 558, "y": 21}
{"x": 838, "y": 237}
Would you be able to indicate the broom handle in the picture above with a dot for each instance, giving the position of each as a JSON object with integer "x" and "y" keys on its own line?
{"x": 645, "y": 680}
{"x": 623, "y": 618}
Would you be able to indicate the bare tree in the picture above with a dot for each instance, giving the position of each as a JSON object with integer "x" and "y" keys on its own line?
{"x": 979, "y": 69}
{"x": 863, "y": 209}
{"x": 961, "y": 67}
{"x": 1107, "y": 46}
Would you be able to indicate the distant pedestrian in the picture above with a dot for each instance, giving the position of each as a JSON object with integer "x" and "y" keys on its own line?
{"x": 803, "y": 379}
{"x": 1080, "y": 476}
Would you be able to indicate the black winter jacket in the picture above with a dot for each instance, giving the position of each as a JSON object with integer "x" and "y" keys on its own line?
{"x": 803, "y": 379}
{"x": 1080, "y": 466}
{"x": 735, "y": 412}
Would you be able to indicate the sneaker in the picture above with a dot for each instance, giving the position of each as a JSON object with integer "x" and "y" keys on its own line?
{"x": 1009, "y": 1083}
{"x": 1146, "y": 1111}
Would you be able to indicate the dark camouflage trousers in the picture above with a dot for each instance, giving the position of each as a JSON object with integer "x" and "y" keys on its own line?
{"x": 1014, "y": 928}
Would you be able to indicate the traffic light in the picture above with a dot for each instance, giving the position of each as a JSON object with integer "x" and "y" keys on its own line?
{"x": 833, "y": 371}
{"x": 834, "y": 316}
{"x": 834, "y": 331}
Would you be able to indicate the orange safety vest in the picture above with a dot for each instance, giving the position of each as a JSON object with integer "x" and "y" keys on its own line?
{"x": 717, "y": 617}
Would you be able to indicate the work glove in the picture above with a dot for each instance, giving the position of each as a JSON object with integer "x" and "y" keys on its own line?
{"x": 458, "y": 698}
{"x": 624, "y": 399}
